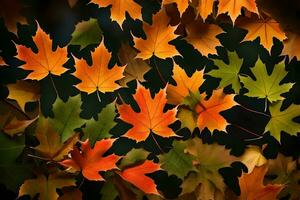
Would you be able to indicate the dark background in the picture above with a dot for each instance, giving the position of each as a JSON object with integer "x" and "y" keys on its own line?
{"x": 58, "y": 19}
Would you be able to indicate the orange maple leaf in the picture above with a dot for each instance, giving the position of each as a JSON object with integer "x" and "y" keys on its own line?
{"x": 91, "y": 161}
{"x": 119, "y": 9}
{"x": 45, "y": 61}
{"x": 209, "y": 110}
{"x": 234, "y": 7}
{"x": 159, "y": 34}
{"x": 151, "y": 116}
{"x": 184, "y": 85}
{"x": 203, "y": 37}
{"x": 2, "y": 62}
{"x": 137, "y": 176}
{"x": 291, "y": 45}
{"x": 182, "y": 5}
{"x": 265, "y": 29}
{"x": 205, "y": 8}
{"x": 98, "y": 76}
{"x": 252, "y": 187}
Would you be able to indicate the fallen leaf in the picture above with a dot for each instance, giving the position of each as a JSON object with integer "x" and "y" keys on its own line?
{"x": 51, "y": 146}
{"x": 23, "y": 92}
{"x": 253, "y": 157}
{"x": 286, "y": 172}
{"x": 176, "y": 161}
{"x": 265, "y": 85}
{"x": 184, "y": 85}
{"x": 11, "y": 12}
{"x": 86, "y": 33}
{"x": 252, "y": 187}
{"x": 228, "y": 73}
{"x": 206, "y": 176}
{"x": 159, "y": 34}
{"x": 16, "y": 126}
{"x": 119, "y": 9}
{"x": 46, "y": 61}
{"x": 67, "y": 117}
{"x": 203, "y": 37}
{"x": 137, "y": 176}
{"x": 46, "y": 187}
{"x": 91, "y": 161}
{"x": 234, "y": 7}
{"x": 291, "y": 45}
{"x": 205, "y": 8}
{"x": 182, "y": 5}
{"x": 282, "y": 120}
{"x": 151, "y": 117}
{"x": 98, "y": 77}
{"x": 136, "y": 68}
{"x": 209, "y": 110}
{"x": 265, "y": 29}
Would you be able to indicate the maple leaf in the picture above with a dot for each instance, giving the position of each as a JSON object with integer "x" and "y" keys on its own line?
{"x": 159, "y": 34}
{"x": 291, "y": 47}
{"x": 252, "y": 186}
{"x": 11, "y": 12}
{"x": 209, "y": 110}
{"x": 234, "y": 7}
{"x": 253, "y": 157}
{"x": 137, "y": 176}
{"x": 50, "y": 145}
{"x": 266, "y": 86}
{"x": 265, "y": 29}
{"x": 286, "y": 172}
{"x": 98, "y": 77}
{"x": 86, "y": 33}
{"x": 176, "y": 161}
{"x": 283, "y": 120}
{"x": 182, "y": 5}
{"x": 184, "y": 85}
{"x": 136, "y": 68}
{"x": 68, "y": 120}
{"x": 91, "y": 161}
{"x": 23, "y": 92}
{"x": 16, "y": 126}
{"x": 46, "y": 187}
{"x": 119, "y": 9}
{"x": 151, "y": 117}
{"x": 45, "y": 61}
{"x": 205, "y": 8}
{"x": 98, "y": 129}
{"x": 203, "y": 37}
{"x": 207, "y": 169}
{"x": 228, "y": 73}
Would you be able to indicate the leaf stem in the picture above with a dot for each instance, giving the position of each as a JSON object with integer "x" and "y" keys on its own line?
{"x": 254, "y": 111}
{"x": 54, "y": 87}
{"x": 159, "y": 147}
{"x": 160, "y": 75}
{"x": 98, "y": 95}
{"x": 246, "y": 130}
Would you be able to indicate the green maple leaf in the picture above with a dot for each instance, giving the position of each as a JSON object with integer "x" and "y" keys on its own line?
{"x": 228, "y": 73}
{"x": 86, "y": 33}
{"x": 176, "y": 161}
{"x": 13, "y": 173}
{"x": 266, "y": 86}
{"x": 209, "y": 158}
{"x": 283, "y": 120}
{"x": 66, "y": 117}
{"x": 99, "y": 129}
